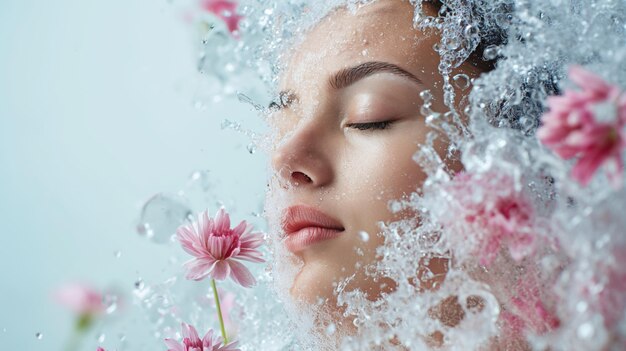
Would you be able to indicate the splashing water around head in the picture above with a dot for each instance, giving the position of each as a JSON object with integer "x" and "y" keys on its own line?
{"x": 488, "y": 242}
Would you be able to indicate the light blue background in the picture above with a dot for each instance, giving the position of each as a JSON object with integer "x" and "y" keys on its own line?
{"x": 96, "y": 115}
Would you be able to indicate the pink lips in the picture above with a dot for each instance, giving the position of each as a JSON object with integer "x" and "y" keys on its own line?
{"x": 305, "y": 226}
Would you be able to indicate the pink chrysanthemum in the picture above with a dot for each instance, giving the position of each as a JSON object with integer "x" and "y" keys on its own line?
{"x": 488, "y": 213}
{"x": 216, "y": 248}
{"x": 225, "y": 10}
{"x": 573, "y": 128}
{"x": 80, "y": 298}
{"x": 192, "y": 342}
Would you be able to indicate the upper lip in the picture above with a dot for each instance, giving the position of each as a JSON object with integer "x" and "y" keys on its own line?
{"x": 301, "y": 216}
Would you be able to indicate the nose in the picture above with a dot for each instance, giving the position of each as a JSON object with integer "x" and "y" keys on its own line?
{"x": 303, "y": 158}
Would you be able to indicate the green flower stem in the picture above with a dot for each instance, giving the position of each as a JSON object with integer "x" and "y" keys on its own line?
{"x": 219, "y": 311}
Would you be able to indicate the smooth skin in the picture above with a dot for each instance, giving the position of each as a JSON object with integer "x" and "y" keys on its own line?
{"x": 345, "y": 138}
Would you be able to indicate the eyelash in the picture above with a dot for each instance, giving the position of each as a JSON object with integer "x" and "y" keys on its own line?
{"x": 370, "y": 125}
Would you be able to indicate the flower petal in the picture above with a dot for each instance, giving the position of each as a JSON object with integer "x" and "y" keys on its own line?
{"x": 251, "y": 255}
{"x": 251, "y": 240}
{"x": 240, "y": 228}
{"x": 221, "y": 270}
{"x": 198, "y": 269}
{"x": 222, "y": 221}
{"x": 241, "y": 275}
{"x": 190, "y": 332}
{"x": 174, "y": 345}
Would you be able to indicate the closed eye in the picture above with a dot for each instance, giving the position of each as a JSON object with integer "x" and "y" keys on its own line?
{"x": 370, "y": 125}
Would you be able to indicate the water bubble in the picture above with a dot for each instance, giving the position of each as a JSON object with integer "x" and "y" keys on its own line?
{"x": 251, "y": 148}
{"x": 101, "y": 337}
{"x": 161, "y": 216}
{"x": 585, "y": 331}
{"x": 39, "y": 335}
{"x": 453, "y": 43}
{"x": 110, "y": 303}
{"x": 470, "y": 31}
{"x": 461, "y": 81}
{"x": 490, "y": 53}
{"x": 117, "y": 254}
{"x": 364, "y": 236}
{"x": 395, "y": 206}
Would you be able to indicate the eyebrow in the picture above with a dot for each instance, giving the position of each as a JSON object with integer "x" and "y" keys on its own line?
{"x": 351, "y": 75}
{"x": 348, "y": 76}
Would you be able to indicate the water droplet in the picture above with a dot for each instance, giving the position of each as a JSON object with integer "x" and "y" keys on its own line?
{"x": 39, "y": 335}
{"x": 248, "y": 100}
{"x": 585, "y": 331}
{"x": 330, "y": 330}
{"x": 139, "y": 284}
{"x": 395, "y": 206}
{"x": 426, "y": 95}
{"x": 251, "y": 148}
{"x": 461, "y": 81}
{"x": 490, "y": 53}
{"x": 470, "y": 31}
{"x": 453, "y": 43}
{"x": 101, "y": 338}
{"x": 110, "y": 303}
{"x": 161, "y": 216}
{"x": 117, "y": 254}
{"x": 226, "y": 124}
{"x": 365, "y": 237}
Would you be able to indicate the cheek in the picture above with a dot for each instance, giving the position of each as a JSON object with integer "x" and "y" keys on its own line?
{"x": 385, "y": 169}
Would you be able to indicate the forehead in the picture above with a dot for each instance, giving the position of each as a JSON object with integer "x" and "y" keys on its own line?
{"x": 380, "y": 31}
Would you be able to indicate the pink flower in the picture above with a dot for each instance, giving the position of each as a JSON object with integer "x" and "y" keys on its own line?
{"x": 192, "y": 342}
{"x": 225, "y": 10}
{"x": 217, "y": 248}
{"x": 100, "y": 349}
{"x": 80, "y": 298}
{"x": 487, "y": 212}
{"x": 573, "y": 128}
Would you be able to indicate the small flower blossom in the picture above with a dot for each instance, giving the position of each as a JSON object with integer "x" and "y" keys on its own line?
{"x": 192, "y": 342}
{"x": 80, "y": 298}
{"x": 217, "y": 248}
{"x": 588, "y": 125}
{"x": 489, "y": 213}
{"x": 100, "y": 349}
{"x": 225, "y": 10}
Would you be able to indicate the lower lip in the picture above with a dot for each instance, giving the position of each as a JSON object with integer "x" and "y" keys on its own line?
{"x": 305, "y": 237}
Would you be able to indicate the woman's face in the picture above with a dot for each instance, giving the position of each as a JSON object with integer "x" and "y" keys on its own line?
{"x": 347, "y": 129}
